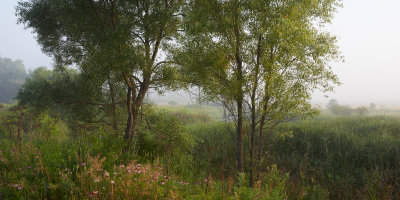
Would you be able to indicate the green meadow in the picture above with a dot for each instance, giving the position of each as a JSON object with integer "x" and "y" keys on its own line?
{"x": 191, "y": 155}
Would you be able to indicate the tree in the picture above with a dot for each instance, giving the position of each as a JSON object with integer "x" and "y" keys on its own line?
{"x": 12, "y": 76}
{"x": 361, "y": 110}
{"x": 261, "y": 59}
{"x": 109, "y": 38}
{"x": 372, "y": 107}
{"x": 66, "y": 91}
{"x": 332, "y": 105}
{"x": 338, "y": 109}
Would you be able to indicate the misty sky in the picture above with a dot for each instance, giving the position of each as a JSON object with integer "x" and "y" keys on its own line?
{"x": 369, "y": 38}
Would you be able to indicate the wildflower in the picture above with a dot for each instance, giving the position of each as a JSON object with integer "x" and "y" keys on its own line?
{"x": 95, "y": 192}
{"x": 14, "y": 185}
{"x": 112, "y": 182}
{"x": 83, "y": 164}
{"x": 162, "y": 182}
{"x": 122, "y": 166}
{"x": 100, "y": 169}
{"x": 19, "y": 187}
{"x": 129, "y": 171}
{"x": 96, "y": 180}
{"x": 106, "y": 174}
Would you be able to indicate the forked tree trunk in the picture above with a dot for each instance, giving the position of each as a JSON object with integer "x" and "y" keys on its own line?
{"x": 134, "y": 103}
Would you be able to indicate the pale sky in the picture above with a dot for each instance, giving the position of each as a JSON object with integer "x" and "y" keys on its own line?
{"x": 369, "y": 38}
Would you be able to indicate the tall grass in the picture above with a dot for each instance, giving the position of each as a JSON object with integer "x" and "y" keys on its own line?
{"x": 181, "y": 154}
{"x": 353, "y": 157}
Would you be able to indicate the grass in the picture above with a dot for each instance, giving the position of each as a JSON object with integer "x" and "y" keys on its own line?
{"x": 193, "y": 157}
{"x": 350, "y": 156}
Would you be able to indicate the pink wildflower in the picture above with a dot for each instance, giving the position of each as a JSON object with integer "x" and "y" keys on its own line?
{"x": 106, "y": 173}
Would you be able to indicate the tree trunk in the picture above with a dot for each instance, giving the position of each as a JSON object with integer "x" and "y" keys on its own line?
{"x": 134, "y": 103}
{"x": 130, "y": 122}
{"x": 240, "y": 133}
{"x": 114, "y": 106}
{"x": 253, "y": 111}
{"x": 239, "y": 93}
{"x": 262, "y": 123}
{"x": 253, "y": 132}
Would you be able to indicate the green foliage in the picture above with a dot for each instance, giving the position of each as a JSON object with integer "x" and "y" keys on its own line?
{"x": 261, "y": 59}
{"x": 65, "y": 92}
{"x": 271, "y": 52}
{"x": 121, "y": 44}
{"x": 341, "y": 154}
{"x": 12, "y": 76}
{"x": 327, "y": 158}
{"x": 213, "y": 150}
{"x": 161, "y": 134}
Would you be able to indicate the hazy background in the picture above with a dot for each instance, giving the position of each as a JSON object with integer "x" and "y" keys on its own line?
{"x": 368, "y": 32}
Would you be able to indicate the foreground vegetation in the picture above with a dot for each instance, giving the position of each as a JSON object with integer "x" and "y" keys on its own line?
{"x": 184, "y": 155}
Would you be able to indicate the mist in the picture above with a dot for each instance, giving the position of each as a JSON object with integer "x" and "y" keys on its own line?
{"x": 366, "y": 31}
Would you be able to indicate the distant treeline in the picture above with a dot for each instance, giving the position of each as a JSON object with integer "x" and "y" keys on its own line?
{"x": 337, "y": 109}
{"x": 12, "y": 76}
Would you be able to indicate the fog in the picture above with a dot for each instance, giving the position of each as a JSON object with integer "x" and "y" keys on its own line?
{"x": 368, "y": 37}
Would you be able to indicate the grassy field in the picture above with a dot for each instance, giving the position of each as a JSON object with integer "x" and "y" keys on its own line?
{"x": 193, "y": 157}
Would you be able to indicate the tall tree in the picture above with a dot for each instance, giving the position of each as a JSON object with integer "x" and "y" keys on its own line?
{"x": 212, "y": 54}
{"x": 262, "y": 59}
{"x": 122, "y": 37}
